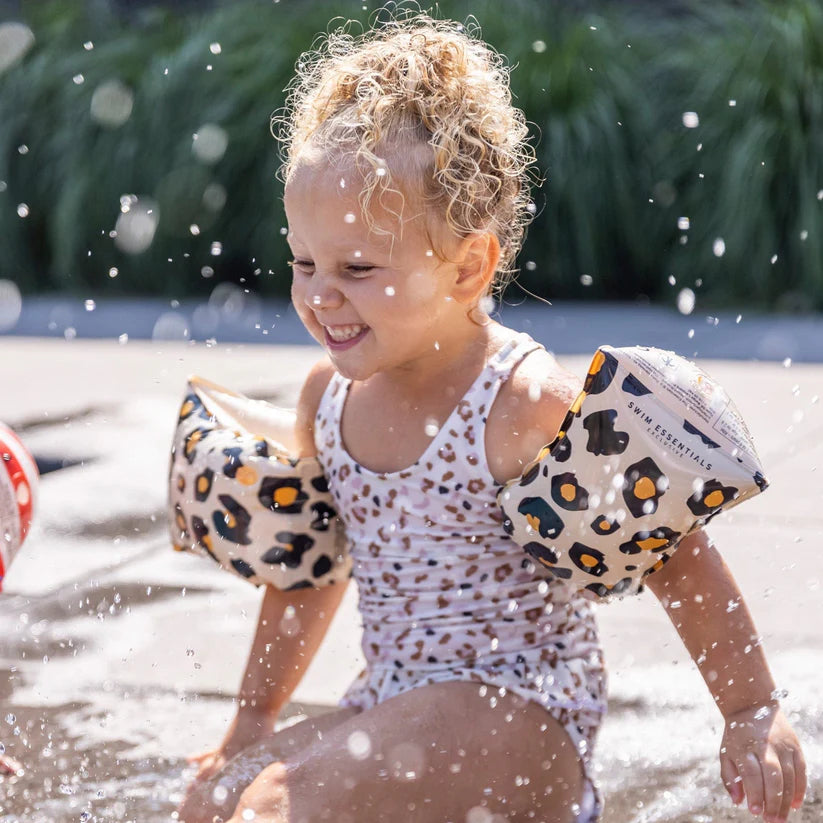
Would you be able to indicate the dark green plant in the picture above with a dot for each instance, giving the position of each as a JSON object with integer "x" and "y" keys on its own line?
{"x": 605, "y": 85}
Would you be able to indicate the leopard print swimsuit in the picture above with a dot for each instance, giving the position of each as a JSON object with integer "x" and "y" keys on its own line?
{"x": 444, "y": 592}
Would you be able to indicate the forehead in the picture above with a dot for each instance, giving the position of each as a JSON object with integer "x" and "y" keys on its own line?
{"x": 320, "y": 189}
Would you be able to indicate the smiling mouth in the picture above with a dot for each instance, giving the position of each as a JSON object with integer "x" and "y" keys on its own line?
{"x": 344, "y": 336}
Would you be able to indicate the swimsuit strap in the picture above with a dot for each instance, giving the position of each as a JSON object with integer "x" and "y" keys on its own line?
{"x": 498, "y": 370}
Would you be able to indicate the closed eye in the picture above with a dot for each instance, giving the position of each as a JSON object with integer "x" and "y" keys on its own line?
{"x": 302, "y": 266}
{"x": 355, "y": 270}
{"x": 359, "y": 270}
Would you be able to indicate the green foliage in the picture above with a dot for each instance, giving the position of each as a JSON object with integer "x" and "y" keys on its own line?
{"x": 604, "y": 84}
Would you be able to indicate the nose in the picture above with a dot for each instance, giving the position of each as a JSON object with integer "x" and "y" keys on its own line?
{"x": 322, "y": 293}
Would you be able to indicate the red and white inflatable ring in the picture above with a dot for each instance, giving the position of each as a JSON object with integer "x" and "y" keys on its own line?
{"x": 18, "y": 489}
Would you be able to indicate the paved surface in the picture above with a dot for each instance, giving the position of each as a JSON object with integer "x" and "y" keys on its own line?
{"x": 113, "y": 639}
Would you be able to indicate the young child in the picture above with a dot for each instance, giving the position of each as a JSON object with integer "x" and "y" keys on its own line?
{"x": 407, "y": 172}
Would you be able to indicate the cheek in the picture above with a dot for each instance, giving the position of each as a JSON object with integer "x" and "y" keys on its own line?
{"x": 421, "y": 287}
{"x": 298, "y": 299}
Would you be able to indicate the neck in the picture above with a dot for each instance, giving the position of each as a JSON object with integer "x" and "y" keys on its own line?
{"x": 458, "y": 352}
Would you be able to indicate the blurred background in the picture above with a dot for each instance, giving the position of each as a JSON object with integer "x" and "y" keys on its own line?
{"x": 681, "y": 144}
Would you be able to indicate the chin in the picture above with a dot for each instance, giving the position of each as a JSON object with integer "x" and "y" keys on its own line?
{"x": 352, "y": 371}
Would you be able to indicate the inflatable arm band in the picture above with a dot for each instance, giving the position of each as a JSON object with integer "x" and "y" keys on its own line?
{"x": 18, "y": 489}
{"x": 236, "y": 494}
{"x": 650, "y": 450}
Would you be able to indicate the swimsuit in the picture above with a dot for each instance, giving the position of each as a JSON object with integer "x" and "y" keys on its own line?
{"x": 445, "y": 594}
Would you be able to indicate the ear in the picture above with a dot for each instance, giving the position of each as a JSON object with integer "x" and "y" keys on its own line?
{"x": 477, "y": 259}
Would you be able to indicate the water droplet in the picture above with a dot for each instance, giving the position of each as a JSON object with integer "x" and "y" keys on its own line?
{"x": 738, "y": 318}
{"x": 248, "y": 814}
{"x": 690, "y": 119}
{"x": 207, "y": 271}
{"x": 732, "y": 103}
{"x": 11, "y": 719}
{"x": 349, "y": 217}
{"x": 11, "y": 304}
{"x": 90, "y": 305}
{"x": 719, "y": 247}
{"x": 359, "y": 745}
{"x": 732, "y": 605}
{"x": 135, "y": 225}
{"x": 23, "y": 210}
{"x": 685, "y": 301}
{"x": 389, "y": 291}
{"x": 804, "y": 235}
{"x": 78, "y": 79}
{"x": 683, "y": 223}
{"x": 216, "y": 249}
{"x": 214, "y": 197}
{"x": 358, "y": 254}
{"x": 531, "y": 208}
{"x": 787, "y": 363}
{"x": 342, "y": 182}
{"x": 530, "y": 265}
{"x": 23, "y": 149}
{"x": 215, "y": 48}
{"x": 15, "y": 40}
{"x": 210, "y": 142}
{"x": 111, "y": 104}
{"x": 672, "y": 280}
{"x": 774, "y": 259}
{"x": 113, "y": 272}
{"x": 539, "y": 46}
{"x": 170, "y": 326}
{"x": 431, "y": 428}
{"x": 194, "y": 229}
{"x": 380, "y": 171}
{"x": 586, "y": 279}
{"x": 88, "y": 45}
{"x": 478, "y": 814}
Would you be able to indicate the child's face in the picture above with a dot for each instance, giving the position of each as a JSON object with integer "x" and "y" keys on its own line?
{"x": 375, "y": 300}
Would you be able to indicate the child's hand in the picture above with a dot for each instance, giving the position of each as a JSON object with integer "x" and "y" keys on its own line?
{"x": 247, "y": 728}
{"x": 761, "y": 760}
{"x": 208, "y": 763}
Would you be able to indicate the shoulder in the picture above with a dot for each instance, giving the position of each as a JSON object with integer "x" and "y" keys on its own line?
{"x": 308, "y": 403}
{"x": 527, "y": 413}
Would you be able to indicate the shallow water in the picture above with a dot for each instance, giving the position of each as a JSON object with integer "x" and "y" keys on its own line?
{"x": 119, "y": 755}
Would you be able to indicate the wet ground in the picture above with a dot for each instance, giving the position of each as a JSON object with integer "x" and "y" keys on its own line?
{"x": 118, "y": 657}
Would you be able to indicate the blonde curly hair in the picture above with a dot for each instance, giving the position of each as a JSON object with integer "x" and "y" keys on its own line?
{"x": 436, "y": 100}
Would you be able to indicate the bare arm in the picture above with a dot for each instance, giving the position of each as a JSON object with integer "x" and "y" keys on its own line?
{"x": 760, "y": 756}
{"x": 290, "y": 628}
{"x": 705, "y": 605}
{"x": 292, "y": 624}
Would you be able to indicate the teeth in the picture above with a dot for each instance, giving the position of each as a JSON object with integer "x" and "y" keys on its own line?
{"x": 342, "y": 333}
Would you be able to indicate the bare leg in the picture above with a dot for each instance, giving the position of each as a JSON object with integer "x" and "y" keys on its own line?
{"x": 219, "y": 795}
{"x": 436, "y": 754}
